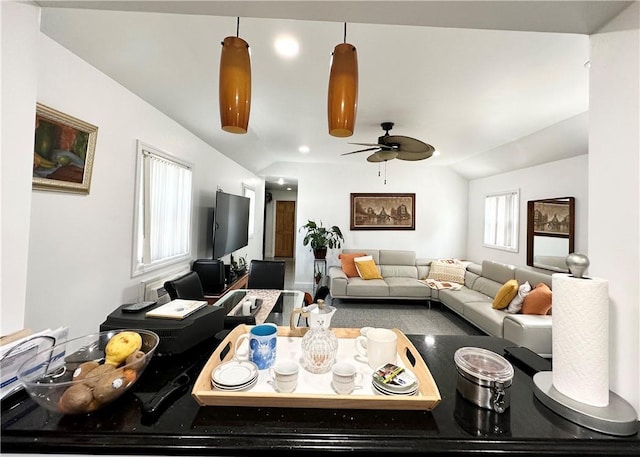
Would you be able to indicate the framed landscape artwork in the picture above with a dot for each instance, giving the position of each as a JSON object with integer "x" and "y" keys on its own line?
{"x": 383, "y": 211}
{"x": 63, "y": 151}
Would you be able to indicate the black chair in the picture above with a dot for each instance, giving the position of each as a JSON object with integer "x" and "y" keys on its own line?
{"x": 267, "y": 274}
{"x": 189, "y": 287}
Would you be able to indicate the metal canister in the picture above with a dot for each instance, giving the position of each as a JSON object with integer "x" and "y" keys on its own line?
{"x": 484, "y": 378}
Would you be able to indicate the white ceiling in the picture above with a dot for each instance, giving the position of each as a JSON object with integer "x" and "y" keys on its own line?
{"x": 476, "y": 79}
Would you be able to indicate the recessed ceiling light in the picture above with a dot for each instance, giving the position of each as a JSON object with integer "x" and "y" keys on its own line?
{"x": 281, "y": 181}
{"x": 287, "y": 46}
{"x": 304, "y": 149}
{"x": 288, "y": 188}
{"x": 436, "y": 153}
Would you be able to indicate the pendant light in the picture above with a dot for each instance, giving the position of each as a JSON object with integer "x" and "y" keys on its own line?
{"x": 343, "y": 89}
{"x": 235, "y": 84}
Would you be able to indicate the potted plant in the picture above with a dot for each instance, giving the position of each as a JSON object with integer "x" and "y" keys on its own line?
{"x": 321, "y": 238}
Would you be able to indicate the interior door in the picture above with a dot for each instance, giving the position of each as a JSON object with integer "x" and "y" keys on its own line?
{"x": 285, "y": 228}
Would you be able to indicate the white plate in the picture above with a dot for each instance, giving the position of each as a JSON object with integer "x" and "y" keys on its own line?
{"x": 404, "y": 382}
{"x": 234, "y": 373}
{"x": 246, "y": 386}
{"x": 378, "y": 390}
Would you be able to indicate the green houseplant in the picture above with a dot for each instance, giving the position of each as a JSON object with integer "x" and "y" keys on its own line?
{"x": 321, "y": 238}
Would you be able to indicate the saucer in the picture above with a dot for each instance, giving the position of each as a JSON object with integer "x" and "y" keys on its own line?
{"x": 234, "y": 373}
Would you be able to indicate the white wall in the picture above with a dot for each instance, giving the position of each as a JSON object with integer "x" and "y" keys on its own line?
{"x": 614, "y": 191}
{"x": 79, "y": 263}
{"x": 441, "y": 209}
{"x": 564, "y": 178}
{"x": 20, "y": 23}
{"x": 270, "y": 218}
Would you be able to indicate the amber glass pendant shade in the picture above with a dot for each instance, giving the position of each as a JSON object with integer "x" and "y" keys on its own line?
{"x": 343, "y": 90}
{"x": 235, "y": 85}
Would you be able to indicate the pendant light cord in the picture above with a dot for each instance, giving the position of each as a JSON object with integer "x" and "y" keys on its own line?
{"x": 345, "y": 32}
{"x": 238, "y": 27}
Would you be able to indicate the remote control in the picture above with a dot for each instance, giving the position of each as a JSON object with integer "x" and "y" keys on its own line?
{"x": 135, "y": 307}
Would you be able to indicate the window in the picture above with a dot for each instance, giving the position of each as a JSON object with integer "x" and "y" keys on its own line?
{"x": 501, "y": 220}
{"x": 250, "y": 193}
{"x": 163, "y": 210}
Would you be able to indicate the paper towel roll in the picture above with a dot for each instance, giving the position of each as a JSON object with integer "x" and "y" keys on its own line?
{"x": 580, "y": 338}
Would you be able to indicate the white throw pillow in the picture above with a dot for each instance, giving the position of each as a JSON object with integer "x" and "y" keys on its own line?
{"x": 515, "y": 305}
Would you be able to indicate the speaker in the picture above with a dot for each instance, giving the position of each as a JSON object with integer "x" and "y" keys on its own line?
{"x": 212, "y": 275}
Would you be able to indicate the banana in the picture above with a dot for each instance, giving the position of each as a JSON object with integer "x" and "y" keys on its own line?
{"x": 121, "y": 346}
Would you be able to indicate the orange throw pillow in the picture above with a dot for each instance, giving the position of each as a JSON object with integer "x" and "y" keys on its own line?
{"x": 348, "y": 265}
{"x": 538, "y": 301}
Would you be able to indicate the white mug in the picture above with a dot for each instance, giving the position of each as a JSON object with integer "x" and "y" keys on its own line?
{"x": 379, "y": 346}
{"x": 284, "y": 376}
{"x": 345, "y": 378}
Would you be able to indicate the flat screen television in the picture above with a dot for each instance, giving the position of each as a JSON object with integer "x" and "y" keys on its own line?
{"x": 230, "y": 224}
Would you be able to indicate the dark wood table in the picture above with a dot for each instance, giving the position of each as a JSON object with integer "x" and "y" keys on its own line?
{"x": 454, "y": 427}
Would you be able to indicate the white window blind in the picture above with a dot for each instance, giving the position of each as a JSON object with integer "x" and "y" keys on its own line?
{"x": 163, "y": 209}
{"x": 501, "y": 220}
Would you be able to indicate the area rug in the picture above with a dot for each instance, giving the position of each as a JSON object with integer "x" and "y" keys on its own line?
{"x": 411, "y": 317}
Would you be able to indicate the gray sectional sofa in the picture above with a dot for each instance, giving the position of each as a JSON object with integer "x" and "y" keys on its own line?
{"x": 402, "y": 273}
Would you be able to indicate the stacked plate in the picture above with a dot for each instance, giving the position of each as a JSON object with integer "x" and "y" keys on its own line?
{"x": 391, "y": 379}
{"x": 235, "y": 375}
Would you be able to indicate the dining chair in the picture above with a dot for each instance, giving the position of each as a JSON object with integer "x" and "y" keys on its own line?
{"x": 267, "y": 274}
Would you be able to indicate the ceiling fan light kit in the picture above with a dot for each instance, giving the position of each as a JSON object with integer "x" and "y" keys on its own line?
{"x": 235, "y": 84}
{"x": 343, "y": 90}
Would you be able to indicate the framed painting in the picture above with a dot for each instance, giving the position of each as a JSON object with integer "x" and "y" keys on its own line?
{"x": 383, "y": 211}
{"x": 63, "y": 151}
{"x": 553, "y": 216}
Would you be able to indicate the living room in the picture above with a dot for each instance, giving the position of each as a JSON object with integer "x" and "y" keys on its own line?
{"x": 67, "y": 258}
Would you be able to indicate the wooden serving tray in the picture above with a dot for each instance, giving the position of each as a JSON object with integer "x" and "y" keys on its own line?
{"x": 427, "y": 398}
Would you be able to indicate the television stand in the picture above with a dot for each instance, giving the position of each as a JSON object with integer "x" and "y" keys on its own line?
{"x": 240, "y": 282}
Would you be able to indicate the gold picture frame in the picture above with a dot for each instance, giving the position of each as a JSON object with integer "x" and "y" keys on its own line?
{"x": 63, "y": 153}
{"x": 383, "y": 211}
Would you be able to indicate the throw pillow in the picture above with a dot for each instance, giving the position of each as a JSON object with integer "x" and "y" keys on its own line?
{"x": 348, "y": 265}
{"x": 367, "y": 268}
{"x": 538, "y": 301}
{"x": 506, "y": 293}
{"x": 516, "y": 304}
{"x": 451, "y": 270}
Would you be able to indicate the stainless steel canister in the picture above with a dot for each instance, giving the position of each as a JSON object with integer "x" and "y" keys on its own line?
{"x": 484, "y": 378}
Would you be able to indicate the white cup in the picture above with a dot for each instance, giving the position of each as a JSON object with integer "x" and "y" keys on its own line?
{"x": 378, "y": 346}
{"x": 284, "y": 376}
{"x": 345, "y": 378}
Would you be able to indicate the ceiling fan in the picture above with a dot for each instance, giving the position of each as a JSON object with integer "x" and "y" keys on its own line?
{"x": 395, "y": 147}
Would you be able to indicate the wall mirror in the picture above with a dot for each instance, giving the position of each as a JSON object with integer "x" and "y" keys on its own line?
{"x": 550, "y": 233}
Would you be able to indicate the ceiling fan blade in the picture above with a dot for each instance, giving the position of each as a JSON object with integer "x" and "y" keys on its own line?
{"x": 361, "y": 150}
{"x": 368, "y": 144}
{"x": 407, "y": 144}
{"x": 413, "y": 156}
{"x": 382, "y": 156}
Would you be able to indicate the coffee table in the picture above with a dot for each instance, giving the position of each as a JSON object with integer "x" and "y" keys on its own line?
{"x": 276, "y": 307}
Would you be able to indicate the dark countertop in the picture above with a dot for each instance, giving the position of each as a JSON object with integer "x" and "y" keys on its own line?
{"x": 454, "y": 427}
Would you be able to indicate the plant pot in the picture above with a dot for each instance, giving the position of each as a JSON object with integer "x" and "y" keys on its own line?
{"x": 320, "y": 253}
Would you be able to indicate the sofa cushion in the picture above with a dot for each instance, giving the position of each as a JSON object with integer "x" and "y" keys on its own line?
{"x": 367, "y": 268}
{"x": 524, "y": 274}
{"x": 451, "y": 270}
{"x": 485, "y": 317}
{"x": 456, "y": 299}
{"x": 498, "y": 272}
{"x": 398, "y": 271}
{"x": 538, "y": 301}
{"x": 348, "y": 265}
{"x": 358, "y": 287}
{"x": 407, "y": 287}
{"x": 397, "y": 257}
{"x": 506, "y": 293}
{"x": 487, "y": 286}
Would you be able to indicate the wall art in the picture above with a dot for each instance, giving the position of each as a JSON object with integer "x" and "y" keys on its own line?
{"x": 383, "y": 211}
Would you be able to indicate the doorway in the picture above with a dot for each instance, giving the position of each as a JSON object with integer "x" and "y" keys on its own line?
{"x": 284, "y": 228}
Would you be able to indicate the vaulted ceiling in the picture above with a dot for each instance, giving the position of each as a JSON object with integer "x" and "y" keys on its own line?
{"x": 494, "y": 86}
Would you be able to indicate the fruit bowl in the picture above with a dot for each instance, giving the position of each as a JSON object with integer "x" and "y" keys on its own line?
{"x": 84, "y": 374}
